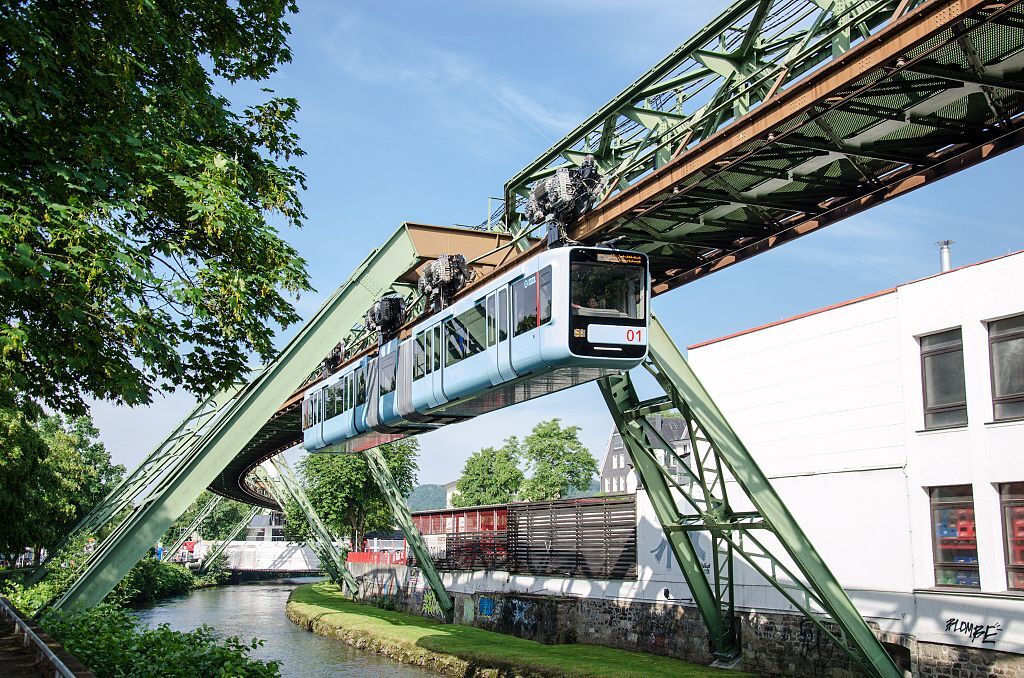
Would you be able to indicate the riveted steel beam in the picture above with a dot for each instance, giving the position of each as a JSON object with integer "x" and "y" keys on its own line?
{"x": 702, "y": 504}
{"x": 400, "y": 511}
{"x": 210, "y": 556}
{"x": 285, "y": 488}
{"x": 182, "y": 484}
{"x": 201, "y": 517}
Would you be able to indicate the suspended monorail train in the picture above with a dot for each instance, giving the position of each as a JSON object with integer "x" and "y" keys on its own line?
{"x": 560, "y": 318}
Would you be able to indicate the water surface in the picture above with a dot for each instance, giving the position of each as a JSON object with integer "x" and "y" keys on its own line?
{"x": 257, "y": 610}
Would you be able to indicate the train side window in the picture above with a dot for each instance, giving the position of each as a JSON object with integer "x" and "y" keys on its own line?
{"x": 524, "y": 305}
{"x": 474, "y": 324}
{"x": 437, "y": 346}
{"x": 503, "y": 314}
{"x": 331, "y": 401}
{"x": 544, "y": 295}
{"x": 455, "y": 340}
{"x": 361, "y": 386}
{"x": 306, "y": 409}
{"x": 419, "y": 358}
{"x": 346, "y": 393}
{"x": 387, "y": 372}
{"x": 491, "y": 320}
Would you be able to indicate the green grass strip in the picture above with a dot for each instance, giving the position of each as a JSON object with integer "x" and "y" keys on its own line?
{"x": 461, "y": 650}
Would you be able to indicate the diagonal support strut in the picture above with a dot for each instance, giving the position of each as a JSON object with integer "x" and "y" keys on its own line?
{"x": 793, "y": 567}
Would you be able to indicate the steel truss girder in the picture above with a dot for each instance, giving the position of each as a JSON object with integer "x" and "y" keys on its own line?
{"x": 285, "y": 487}
{"x": 203, "y": 514}
{"x": 741, "y": 58}
{"x": 717, "y": 455}
{"x": 400, "y": 510}
{"x": 222, "y": 545}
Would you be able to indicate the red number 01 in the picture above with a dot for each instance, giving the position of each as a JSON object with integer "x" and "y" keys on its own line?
{"x": 634, "y": 335}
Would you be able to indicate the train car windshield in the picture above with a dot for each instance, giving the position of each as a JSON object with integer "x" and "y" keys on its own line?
{"x": 605, "y": 289}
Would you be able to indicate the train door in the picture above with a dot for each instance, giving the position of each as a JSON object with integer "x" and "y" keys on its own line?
{"x": 436, "y": 356}
{"x": 499, "y": 365}
{"x": 524, "y": 344}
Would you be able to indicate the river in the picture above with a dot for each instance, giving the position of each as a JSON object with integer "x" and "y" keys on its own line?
{"x": 257, "y": 610}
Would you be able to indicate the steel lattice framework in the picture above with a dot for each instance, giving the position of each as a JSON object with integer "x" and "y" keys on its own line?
{"x": 776, "y": 119}
{"x": 783, "y": 116}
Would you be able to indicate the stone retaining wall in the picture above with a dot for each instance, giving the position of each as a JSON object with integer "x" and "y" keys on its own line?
{"x": 773, "y": 644}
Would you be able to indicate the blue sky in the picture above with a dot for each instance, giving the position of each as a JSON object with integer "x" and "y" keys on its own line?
{"x": 418, "y": 111}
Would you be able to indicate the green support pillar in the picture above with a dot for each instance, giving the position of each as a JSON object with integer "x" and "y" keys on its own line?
{"x": 203, "y": 514}
{"x": 123, "y": 496}
{"x": 400, "y": 510}
{"x": 176, "y": 489}
{"x": 286, "y": 487}
{"x": 718, "y": 455}
{"x": 222, "y": 545}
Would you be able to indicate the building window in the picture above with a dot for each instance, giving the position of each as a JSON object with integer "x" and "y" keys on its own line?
{"x": 942, "y": 369}
{"x": 953, "y": 535}
{"x": 1012, "y": 496}
{"x": 607, "y": 485}
{"x": 1006, "y": 352}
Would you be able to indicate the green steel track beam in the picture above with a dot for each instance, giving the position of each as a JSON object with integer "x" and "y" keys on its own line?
{"x": 400, "y": 510}
{"x": 717, "y": 456}
{"x": 188, "y": 477}
{"x": 201, "y": 517}
{"x": 741, "y": 58}
{"x": 222, "y": 545}
{"x": 285, "y": 486}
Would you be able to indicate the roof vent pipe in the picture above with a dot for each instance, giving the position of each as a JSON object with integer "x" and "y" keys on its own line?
{"x": 945, "y": 258}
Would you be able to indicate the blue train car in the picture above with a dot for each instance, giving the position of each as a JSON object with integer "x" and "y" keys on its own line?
{"x": 561, "y": 318}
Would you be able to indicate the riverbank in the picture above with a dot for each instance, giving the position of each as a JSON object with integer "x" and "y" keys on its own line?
{"x": 457, "y": 650}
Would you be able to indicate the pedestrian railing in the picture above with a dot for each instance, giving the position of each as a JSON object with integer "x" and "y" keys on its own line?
{"x": 31, "y": 640}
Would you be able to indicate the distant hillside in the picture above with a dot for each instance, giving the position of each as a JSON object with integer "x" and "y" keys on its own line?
{"x": 426, "y": 498}
{"x": 593, "y": 490}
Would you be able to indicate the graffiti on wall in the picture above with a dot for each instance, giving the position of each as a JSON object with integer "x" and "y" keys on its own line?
{"x": 974, "y": 631}
{"x": 431, "y": 608}
{"x": 486, "y": 606}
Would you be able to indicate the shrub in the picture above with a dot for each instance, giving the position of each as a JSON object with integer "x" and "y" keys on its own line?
{"x": 150, "y": 580}
{"x": 108, "y": 641}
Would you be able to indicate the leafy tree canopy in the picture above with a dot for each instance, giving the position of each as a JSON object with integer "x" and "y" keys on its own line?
{"x": 344, "y": 494}
{"x": 490, "y": 476}
{"x": 55, "y": 473}
{"x": 556, "y": 462}
{"x": 135, "y": 248}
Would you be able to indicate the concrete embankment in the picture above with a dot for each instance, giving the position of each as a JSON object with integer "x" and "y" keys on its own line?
{"x": 458, "y": 650}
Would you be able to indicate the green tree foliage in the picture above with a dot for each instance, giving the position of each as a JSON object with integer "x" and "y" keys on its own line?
{"x": 135, "y": 248}
{"x": 427, "y": 497}
{"x": 556, "y": 462}
{"x": 490, "y": 476}
{"x": 344, "y": 494}
{"x": 55, "y": 472}
{"x": 22, "y": 455}
{"x": 110, "y": 642}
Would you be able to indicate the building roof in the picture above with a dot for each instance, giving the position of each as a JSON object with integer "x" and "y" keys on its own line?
{"x": 866, "y": 297}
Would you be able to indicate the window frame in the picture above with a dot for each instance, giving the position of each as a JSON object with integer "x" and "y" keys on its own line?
{"x": 1008, "y": 502}
{"x": 940, "y": 409}
{"x": 1013, "y": 398}
{"x": 943, "y": 503}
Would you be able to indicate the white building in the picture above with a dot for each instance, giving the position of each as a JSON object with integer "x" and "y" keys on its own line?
{"x": 893, "y": 428}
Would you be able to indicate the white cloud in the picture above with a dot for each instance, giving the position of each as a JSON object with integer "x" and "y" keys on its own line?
{"x": 449, "y": 85}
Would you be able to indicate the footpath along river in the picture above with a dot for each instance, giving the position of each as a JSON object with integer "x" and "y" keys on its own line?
{"x": 257, "y": 610}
